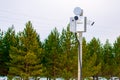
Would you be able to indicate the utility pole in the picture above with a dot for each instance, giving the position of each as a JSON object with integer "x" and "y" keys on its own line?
{"x": 79, "y": 56}
{"x": 78, "y": 25}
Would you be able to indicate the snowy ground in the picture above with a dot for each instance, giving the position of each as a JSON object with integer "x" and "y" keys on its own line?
{"x": 100, "y": 78}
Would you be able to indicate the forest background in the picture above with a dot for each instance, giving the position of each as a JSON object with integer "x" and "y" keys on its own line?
{"x": 24, "y": 54}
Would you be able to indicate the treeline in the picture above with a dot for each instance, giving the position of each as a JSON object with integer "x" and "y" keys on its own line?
{"x": 24, "y": 55}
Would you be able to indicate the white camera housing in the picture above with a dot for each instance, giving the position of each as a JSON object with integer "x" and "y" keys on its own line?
{"x": 78, "y": 24}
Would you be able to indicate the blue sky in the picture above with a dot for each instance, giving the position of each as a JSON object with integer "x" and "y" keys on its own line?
{"x": 48, "y": 14}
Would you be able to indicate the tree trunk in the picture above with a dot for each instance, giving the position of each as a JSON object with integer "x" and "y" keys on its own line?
{"x": 111, "y": 78}
{"x": 96, "y": 77}
{"x": 49, "y": 78}
{"x": 93, "y": 77}
{"x": 67, "y": 79}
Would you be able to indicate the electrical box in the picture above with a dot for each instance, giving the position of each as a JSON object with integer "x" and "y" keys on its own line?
{"x": 72, "y": 25}
{"x": 81, "y": 24}
{"x": 78, "y": 24}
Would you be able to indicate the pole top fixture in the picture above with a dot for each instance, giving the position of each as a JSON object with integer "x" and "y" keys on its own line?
{"x": 78, "y": 11}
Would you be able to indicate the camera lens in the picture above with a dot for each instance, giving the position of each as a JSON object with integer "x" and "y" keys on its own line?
{"x": 76, "y": 17}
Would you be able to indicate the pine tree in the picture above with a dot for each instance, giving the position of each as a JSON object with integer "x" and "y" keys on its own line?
{"x": 25, "y": 56}
{"x": 109, "y": 67}
{"x": 95, "y": 51}
{"x": 51, "y": 54}
{"x": 85, "y": 59}
{"x": 69, "y": 55}
{"x": 7, "y": 41}
{"x": 1, "y": 54}
{"x": 89, "y": 67}
{"x": 116, "y": 49}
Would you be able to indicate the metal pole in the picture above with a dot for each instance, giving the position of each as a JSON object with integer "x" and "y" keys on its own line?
{"x": 79, "y": 21}
{"x": 80, "y": 56}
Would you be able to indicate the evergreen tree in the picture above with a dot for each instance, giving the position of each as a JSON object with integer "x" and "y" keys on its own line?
{"x": 109, "y": 60}
{"x": 69, "y": 54}
{"x": 85, "y": 59}
{"x": 95, "y": 51}
{"x": 1, "y": 54}
{"x": 7, "y": 40}
{"x": 116, "y": 49}
{"x": 89, "y": 67}
{"x": 25, "y": 56}
{"x": 51, "y": 55}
